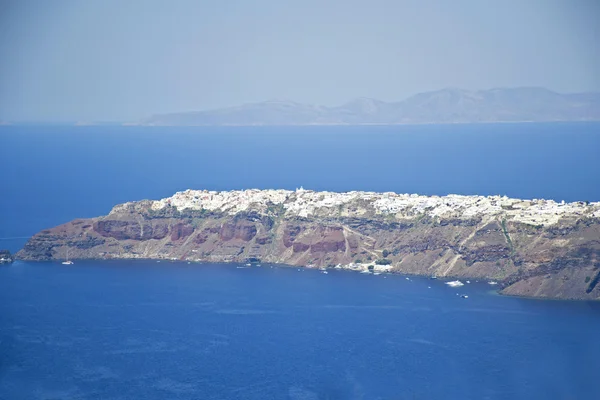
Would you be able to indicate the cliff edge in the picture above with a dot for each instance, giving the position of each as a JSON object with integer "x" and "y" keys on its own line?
{"x": 537, "y": 248}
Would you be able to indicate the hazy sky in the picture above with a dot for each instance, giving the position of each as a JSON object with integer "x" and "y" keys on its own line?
{"x": 121, "y": 60}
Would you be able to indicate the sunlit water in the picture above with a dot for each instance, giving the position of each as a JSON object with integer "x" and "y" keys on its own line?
{"x": 123, "y": 330}
{"x": 152, "y": 330}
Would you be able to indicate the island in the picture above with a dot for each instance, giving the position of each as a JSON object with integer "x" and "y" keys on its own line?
{"x": 535, "y": 248}
{"x": 446, "y": 106}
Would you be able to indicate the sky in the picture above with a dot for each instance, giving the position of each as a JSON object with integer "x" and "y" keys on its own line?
{"x": 123, "y": 60}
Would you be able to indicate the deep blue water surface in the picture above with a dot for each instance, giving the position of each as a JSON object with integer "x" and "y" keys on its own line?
{"x": 147, "y": 330}
{"x": 124, "y": 330}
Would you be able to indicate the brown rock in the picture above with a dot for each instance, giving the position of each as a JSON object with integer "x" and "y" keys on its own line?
{"x": 181, "y": 231}
{"x": 237, "y": 230}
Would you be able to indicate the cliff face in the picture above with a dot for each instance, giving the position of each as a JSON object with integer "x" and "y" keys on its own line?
{"x": 533, "y": 248}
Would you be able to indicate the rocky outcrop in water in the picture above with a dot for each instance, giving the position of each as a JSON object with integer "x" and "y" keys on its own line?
{"x": 534, "y": 248}
{"x": 5, "y": 257}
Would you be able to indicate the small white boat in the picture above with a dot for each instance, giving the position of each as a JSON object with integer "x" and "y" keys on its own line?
{"x": 366, "y": 271}
{"x": 248, "y": 265}
{"x": 408, "y": 279}
{"x": 324, "y": 272}
{"x": 67, "y": 261}
{"x": 468, "y": 281}
{"x": 376, "y": 273}
{"x": 464, "y": 296}
{"x": 493, "y": 283}
{"x": 455, "y": 283}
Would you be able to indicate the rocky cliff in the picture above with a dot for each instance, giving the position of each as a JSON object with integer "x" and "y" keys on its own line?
{"x": 534, "y": 248}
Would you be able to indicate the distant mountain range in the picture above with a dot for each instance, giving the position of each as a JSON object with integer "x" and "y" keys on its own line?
{"x": 524, "y": 104}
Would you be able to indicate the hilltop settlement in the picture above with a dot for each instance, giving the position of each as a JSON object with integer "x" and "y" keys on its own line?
{"x": 538, "y": 248}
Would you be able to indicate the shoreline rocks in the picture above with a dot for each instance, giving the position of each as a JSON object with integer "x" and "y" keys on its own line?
{"x": 6, "y": 257}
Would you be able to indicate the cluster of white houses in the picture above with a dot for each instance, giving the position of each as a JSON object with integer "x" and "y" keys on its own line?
{"x": 307, "y": 202}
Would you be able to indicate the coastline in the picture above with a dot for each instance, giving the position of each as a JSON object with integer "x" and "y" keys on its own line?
{"x": 266, "y": 265}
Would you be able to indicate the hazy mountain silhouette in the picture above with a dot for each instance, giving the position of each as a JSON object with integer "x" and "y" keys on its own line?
{"x": 442, "y": 106}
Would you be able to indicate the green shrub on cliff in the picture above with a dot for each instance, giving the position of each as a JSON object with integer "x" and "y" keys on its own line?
{"x": 383, "y": 261}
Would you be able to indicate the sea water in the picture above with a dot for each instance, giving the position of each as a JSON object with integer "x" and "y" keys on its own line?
{"x": 143, "y": 329}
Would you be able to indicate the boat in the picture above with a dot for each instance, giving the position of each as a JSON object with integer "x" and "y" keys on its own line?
{"x": 248, "y": 265}
{"x": 376, "y": 273}
{"x": 67, "y": 261}
{"x": 433, "y": 276}
{"x": 493, "y": 283}
{"x": 455, "y": 283}
{"x": 324, "y": 272}
{"x": 468, "y": 281}
{"x": 464, "y": 296}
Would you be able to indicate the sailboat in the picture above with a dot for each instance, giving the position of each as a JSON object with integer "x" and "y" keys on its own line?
{"x": 67, "y": 261}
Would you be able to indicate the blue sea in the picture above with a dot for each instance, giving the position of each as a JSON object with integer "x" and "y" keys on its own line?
{"x": 148, "y": 330}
